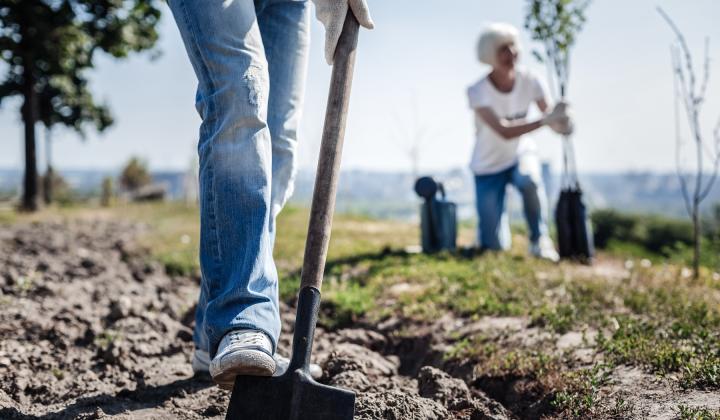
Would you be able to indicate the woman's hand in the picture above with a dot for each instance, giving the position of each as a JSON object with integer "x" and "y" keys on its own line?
{"x": 557, "y": 115}
{"x": 559, "y": 119}
{"x": 332, "y": 13}
{"x": 565, "y": 128}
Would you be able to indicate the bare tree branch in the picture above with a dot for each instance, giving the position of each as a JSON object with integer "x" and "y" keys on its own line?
{"x": 685, "y": 90}
{"x": 706, "y": 72}
{"x": 678, "y": 138}
{"x": 686, "y": 51}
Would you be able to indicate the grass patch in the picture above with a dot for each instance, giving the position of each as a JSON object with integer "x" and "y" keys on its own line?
{"x": 580, "y": 393}
{"x": 673, "y": 329}
{"x": 697, "y": 413}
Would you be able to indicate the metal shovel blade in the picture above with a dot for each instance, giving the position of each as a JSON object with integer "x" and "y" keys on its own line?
{"x": 294, "y": 395}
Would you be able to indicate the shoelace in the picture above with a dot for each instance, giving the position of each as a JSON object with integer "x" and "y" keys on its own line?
{"x": 248, "y": 338}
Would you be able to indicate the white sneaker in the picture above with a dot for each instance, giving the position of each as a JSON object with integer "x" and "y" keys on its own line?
{"x": 544, "y": 248}
{"x": 201, "y": 365}
{"x": 242, "y": 352}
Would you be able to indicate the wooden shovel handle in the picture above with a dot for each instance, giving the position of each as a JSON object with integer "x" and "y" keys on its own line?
{"x": 328, "y": 169}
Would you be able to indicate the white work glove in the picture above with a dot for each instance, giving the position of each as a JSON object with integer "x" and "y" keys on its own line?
{"x": 332, "y": 13}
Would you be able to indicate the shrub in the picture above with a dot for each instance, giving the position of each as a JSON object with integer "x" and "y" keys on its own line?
{"x": 656, "y": 234}
{"x": 135, "y": 174}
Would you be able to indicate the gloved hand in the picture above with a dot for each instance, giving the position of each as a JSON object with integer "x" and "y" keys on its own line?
{"x": 332, "y": 13}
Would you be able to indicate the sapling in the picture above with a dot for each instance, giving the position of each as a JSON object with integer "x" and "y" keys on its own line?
{"x": 556, "y": 24}
{"x": 690, "y": 96}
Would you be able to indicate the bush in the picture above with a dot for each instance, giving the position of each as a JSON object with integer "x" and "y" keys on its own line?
{"x": 609, "y": 224}
{"x": 56, "y": 189}
{"x": 135, "y": 174}
{"x": 656, "y": 234}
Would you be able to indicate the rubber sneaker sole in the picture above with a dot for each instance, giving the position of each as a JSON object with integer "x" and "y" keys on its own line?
{"x": 245, "y": 362}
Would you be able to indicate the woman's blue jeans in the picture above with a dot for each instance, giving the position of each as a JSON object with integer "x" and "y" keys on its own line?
{"x": 493, "y": 225}
{"x": 250, "y": 59}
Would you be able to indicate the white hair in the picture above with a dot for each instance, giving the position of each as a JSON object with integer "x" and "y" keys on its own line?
{"x": 492, "y": 38}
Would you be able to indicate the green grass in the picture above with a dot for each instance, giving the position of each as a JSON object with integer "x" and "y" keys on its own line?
{"x": 697, "y": 413}
{"x": 580, "y": 393}
{"x": 671, "y": 327}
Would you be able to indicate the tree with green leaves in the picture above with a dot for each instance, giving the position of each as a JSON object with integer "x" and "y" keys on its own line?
{"x": 48, "y": 47}
{"x": 135, "y": 174}
{"x": 556, "y": 24}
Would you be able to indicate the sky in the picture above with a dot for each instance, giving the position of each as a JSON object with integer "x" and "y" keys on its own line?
{"x": 410, "y": 79}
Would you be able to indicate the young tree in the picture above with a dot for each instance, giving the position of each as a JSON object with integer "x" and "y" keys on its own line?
{"x": 48, "y": 46}
{"x": 695, "y": 187}
{"x": 556, "y": 23}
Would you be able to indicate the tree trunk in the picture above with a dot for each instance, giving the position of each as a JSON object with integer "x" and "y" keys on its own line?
{"x": 29, "y": 114}
{"x": 49, "y": 173}
{"x": 48, "y": 185}
{"x": 696, "y": 241}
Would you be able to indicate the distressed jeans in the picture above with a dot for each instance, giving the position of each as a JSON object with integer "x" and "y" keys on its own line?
{"x": 493, "y": 224}
{"x": 250, "y": 59}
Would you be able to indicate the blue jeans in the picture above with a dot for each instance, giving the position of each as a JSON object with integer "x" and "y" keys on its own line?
{"x": 493, "y": 225}
{"x": 250, "y": 59}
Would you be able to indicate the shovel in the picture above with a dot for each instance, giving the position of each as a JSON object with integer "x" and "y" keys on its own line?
{"x": 295, "y": 395}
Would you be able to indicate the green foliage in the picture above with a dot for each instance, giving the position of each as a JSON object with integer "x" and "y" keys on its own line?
{"x": 559, "y": 318}
{"x": 655, "y": 237}
{"x": 135, "y": 174}
{"x": 346, "y": 303}
{"x": 48, "y": 47}
{"x": 106, "y": 338}
{"x": 180, "y": 263}
{"x": 669, "y": 330}
{"x": 532, "y": 364}
{"x": 581, "y": 392}
{"x": 61, "y": 191}
{"x": 51, "y": 44}
{"x": 697, "y": 413}
{"x": 556, "y": 24}
{"x": 703, "y": 374}
{"x": 656, "y": 234}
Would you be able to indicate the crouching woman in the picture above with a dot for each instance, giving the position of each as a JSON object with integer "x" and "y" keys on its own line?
{"x": 504, "y": 153}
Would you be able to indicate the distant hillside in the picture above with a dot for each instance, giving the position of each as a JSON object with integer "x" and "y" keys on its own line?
{"x": 391, "y": 195}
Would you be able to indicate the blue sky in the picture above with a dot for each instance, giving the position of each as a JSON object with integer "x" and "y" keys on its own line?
{"x": 411, "y": 76}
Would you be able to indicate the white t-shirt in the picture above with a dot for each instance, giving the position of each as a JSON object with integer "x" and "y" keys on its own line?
{"x": 492, "y": 153}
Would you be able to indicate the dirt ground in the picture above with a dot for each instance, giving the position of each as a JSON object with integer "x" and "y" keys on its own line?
{"x": 91, "y": 328}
